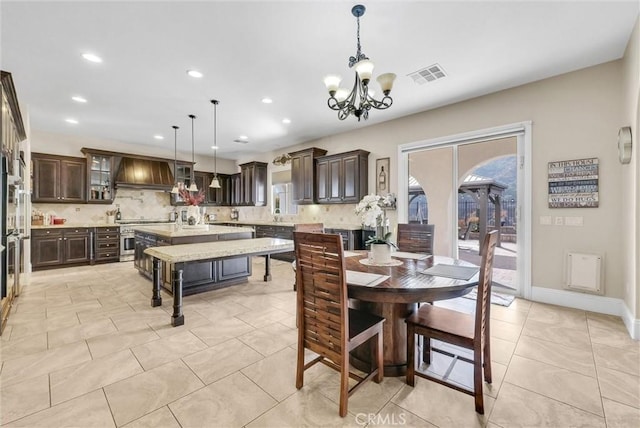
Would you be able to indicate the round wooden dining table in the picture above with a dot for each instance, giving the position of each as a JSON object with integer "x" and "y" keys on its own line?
{"x": 397, "y": 297}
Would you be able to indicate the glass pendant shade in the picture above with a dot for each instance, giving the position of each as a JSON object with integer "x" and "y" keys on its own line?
{"x": 175, "y": 189}
{"x": 364, "y": 69}
{"x": 386, "y": 82}
{"x": 193, "y": 187}
{"x": 215, "y": 183}
{"x": 332, "y": 82}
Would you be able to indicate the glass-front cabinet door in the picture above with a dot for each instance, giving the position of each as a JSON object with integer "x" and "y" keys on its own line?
{"x": 100, "y": 178}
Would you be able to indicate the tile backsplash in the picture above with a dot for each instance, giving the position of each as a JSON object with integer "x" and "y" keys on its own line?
{"x": 154, "y": 205}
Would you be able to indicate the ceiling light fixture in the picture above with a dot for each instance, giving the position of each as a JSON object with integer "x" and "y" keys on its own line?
{"x": 176, "y": 184}
{"x": 286, "y": 121}
{"x": 73, "y": 121}
{"x": 267, "y": 100}
{"x": 91, "y": 57}
{"x": 194, "y": 73}
{"x": 158, "y": 137}
{"x": 193, "y": 187}
{"x": 215, "y": 183}
{"x": 359, "y": 101}
{"x": 79, "y": 99}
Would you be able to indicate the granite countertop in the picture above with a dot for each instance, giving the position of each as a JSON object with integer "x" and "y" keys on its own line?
{"x": 288, "y": 224}
{"x": 217, "y": 249}
{"x": 173, "y": 231}
{"x": 72, "y": 225}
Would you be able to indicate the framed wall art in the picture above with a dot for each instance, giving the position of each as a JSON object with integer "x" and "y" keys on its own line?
{"x": 573, "y": 183}
{"x": 382, "y": 176}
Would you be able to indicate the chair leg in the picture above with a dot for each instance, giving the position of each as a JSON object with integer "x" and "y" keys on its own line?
{"x": 344, "y": 386}
{"x": 486, "y": 357}
{"x": 300, "y": 368}
{"x": 411, "y": 355}
{"x": 426, "y": 349}
{"x": 379, "y": 356}
{"x": 477, "y": 382}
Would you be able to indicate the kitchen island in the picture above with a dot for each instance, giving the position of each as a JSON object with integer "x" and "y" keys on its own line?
{"x": 197, "y": 277}
{"x": 181, "y": 257}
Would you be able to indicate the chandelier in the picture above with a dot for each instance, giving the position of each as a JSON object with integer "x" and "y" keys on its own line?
{"x": 359, "y": 101}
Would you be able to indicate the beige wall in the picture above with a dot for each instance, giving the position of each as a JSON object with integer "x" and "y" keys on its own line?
{"x": 575, "y": 115}
{"x": 630, "y": 175}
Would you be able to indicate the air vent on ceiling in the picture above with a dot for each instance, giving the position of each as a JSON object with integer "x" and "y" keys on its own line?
{"x": 428, "y": 74}
{"x": 238, "y": 140}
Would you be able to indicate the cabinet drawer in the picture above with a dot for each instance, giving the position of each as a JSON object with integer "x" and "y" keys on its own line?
{"x": 110, "y": 245}
{"x": 107, "y": 254}
{"x": 107, "y": 230}
{"x": 77, "y": 231}
{"x": 46, "y": 232}
{"x": 107, "y": 235}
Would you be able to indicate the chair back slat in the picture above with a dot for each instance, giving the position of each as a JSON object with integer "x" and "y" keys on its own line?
{"x": 322, "y": 304}
{"x": 483, "y": 302}
{"x": 416, "y": 238}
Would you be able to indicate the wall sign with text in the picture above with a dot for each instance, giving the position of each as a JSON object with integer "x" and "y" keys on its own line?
{"x": 573, "y": 183}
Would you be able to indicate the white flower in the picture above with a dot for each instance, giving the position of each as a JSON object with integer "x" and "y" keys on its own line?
{"x": 370, "y": 209}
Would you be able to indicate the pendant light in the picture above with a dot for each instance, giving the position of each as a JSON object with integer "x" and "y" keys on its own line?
{"x": 176, "y": 185}
{"x": 192, "y": 187}
{"x": 215, "y": 183}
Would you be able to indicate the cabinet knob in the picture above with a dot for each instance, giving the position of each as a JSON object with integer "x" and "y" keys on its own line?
{"x": 59, "y": 239}
{"x": 62, "y": 197}
{"x": 107, "y": 236}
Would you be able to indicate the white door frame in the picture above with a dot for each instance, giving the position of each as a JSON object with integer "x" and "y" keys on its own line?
{"x": 522, "y": 132}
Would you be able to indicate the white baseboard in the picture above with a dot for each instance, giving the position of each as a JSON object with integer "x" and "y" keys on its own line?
{"x": 589, "y": 302}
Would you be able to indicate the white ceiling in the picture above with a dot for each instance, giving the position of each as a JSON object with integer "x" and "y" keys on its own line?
{"x": 281, "y": 49}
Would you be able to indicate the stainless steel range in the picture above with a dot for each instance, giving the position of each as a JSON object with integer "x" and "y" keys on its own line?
{"x": 127, "y": 236}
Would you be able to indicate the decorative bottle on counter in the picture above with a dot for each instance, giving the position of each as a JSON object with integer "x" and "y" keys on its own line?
{"x": 118, "y": 215}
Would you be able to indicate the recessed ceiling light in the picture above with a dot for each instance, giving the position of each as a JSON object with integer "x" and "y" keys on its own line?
{"x": 91, "y": 57}
{"x": 286, "y": 120}
{"x": 158, "y": 137}
{"x": 79, "y": 99}
{"x": 214, "y": 147}
{"x": 243, "y": 137}
{"x": 73, "y": 121}
{"x": 267, "y": 100}
{"x": 194, "y": 73}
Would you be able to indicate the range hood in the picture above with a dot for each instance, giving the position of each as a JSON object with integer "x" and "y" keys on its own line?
{"x": 144, "y": 174}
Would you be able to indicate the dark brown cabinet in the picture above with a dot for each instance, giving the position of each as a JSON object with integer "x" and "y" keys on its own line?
{"x": 303, "y": 175}
{"x": 235, "y": 187}
{"x": 253, "y": 183}
{"x": 58, "y": 178}
{"x": 99, "y": 177}
{"x": 107, "y": 244}
{"x": 342, "y": 178}
{"x": 60, "y": 247}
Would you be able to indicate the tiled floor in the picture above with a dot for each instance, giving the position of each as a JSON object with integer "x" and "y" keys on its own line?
{"x": 84, "y": 348}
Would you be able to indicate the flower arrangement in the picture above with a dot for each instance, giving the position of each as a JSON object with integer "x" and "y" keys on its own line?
{"x": 189, "y": 198}
{"x": 371, "y": 210}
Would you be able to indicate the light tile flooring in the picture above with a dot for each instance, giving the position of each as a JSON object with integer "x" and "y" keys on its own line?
{"x": 83, "y": 348}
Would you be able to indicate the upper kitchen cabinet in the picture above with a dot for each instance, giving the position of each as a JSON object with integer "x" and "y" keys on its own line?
{"x": 303, "y": 175}
{"x": 58, "y": 178}
{"x": 99, "y": 177}
{"x": 235, "y": 189}
{"x": 182, "y": 175}
{"x": 253, "y": 178}
{"x": 342, "y": 178}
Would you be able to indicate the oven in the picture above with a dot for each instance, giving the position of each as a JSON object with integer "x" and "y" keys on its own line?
{"x": 127, "y": 243}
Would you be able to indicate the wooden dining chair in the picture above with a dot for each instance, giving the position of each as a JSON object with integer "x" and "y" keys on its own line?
{"x": 305, "y": 227}
{"x": 326, "y": 325}
{"x": 464, "y": 330}
{"x": 416, "y": 238}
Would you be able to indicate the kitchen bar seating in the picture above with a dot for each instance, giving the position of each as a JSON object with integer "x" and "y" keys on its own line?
{"x": 305, "y": 227}
{"x": 464, "y": 330}
{"x": 326, "y": 325}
